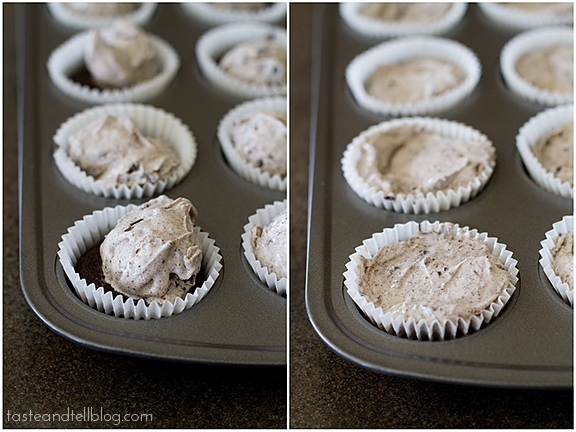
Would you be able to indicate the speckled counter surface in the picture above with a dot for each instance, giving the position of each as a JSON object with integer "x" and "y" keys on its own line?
{"x": 46, "y": 375}
{"x": 329, "y": 392}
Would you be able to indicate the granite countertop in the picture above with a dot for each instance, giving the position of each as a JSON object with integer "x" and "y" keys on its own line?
{"x": 329, "y": 392}
{"x": 49, "y": 376}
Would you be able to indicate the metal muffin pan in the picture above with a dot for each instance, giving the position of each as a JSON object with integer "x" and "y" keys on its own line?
{"x": 530, "y": 344}
{"x": 240, "y": 321}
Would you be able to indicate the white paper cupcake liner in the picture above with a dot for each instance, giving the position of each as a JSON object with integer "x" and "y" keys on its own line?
{"x": 371, "y": 27}
{"x": 360, "y": 69}
{"x": 68, "y": 58}
{"x": 517, "y": 19}
{"x": 214, "y": 43}
{"x": 151, "y": 121}
{"x": 263, "y": 217}
{"x": 208, "y": 14}
{"x": 90, "y": 231}
{"x": 421, "y": 330}
{"x": 69, "y": 18}
{"x": 564, "y": 226}
{"x": 522, "y": 44}
{"x": 236, "y": 161}
{"x": 528, "y": 136}
{"x": 430, "y": 203}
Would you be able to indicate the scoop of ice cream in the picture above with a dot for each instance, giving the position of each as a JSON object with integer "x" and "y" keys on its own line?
{"x": 563, "y": 258}
{"x": 555, "y": 151}
{"x": 101, "y": 9}
{"x": 260, "y": 138}
{"x": 121, "y": 55}
{"x": 410, "y": 160}
{"x": 114, "y": 151}
{"x": 550, "y": 68}
{"x": 257, "y": 62}
{"x": 558, "y": 9}
{"x": 405, "y": 12}
{"x": 270, "y": 245}
{"x": 433, "y": 276}
{"x": 413, "y": 80}
{"x": 153, "y": 252}
{"x": 241, "y": 6}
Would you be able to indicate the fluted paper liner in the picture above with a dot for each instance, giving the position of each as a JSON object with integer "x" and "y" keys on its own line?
{"x": 235, "y": 160}
{"x": 151, "y": 121}
{"x": 217, "y": 41}
{"x": 564, "y": 226}
{"x": 524, "y": 43}
{"x": 69, "y": 58}
{"x": 375, "y": 28}
{"x": 69, "y": 18}
{"x": 517, "y": 19}
{"x": 90, "y": 231}
{"x": 409, "y": 48}
{"x": 431, "y": 202}
{"x": 421, "y": 330}
{"x": 263, "y": 217}
{"x": 529, "y": 134}
{"x": 208, "y": 14}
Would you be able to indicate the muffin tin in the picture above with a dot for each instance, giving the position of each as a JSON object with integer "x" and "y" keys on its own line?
{"x": 240, "y": 321}
{"x": 530, "y": 344}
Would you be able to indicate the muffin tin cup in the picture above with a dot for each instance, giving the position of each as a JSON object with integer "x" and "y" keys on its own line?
{"x": 90, "y": 231}
{"x": 528, "y": 136}
{"x": 564, "y": 226}
{"x": 141, "y": 16}
{"x": 409, "y": 48}
{"x": 263, "y": 217}
{"x": 235, "y": 160}
{"x": 68, "y": 58}
{"x": 518, "y": 19}
{"x": 422, "y": 330}
{"x": 151, "y": 121}
{"x": 431, "y": 202}
{"x": 524, "y": 43}
{"x": 216, "y": 42}
{"x": 375, "y": 28}
{"x": 208, "y": 14}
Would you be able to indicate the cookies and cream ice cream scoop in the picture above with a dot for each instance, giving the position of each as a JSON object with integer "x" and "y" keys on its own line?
{"x": 113, "y": 150}
{"x": 153, "y": 253}
{"x": 260, "y": 138}
{"x": 121, "y": 55}
{"x": 257, "y": 62}
{"x": 270, "y": 244}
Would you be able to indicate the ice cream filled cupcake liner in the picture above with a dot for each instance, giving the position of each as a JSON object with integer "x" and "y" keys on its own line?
{"x": 518, "y": 19}
{"x": 151, "y": 121}
{"x": 236, "y": 161}
{"x": 217, "y": 41}
{"x": 529, "y": 134}
{"x": 68, "y": 58}
{"x": 431, "y": 202}
{"x": 373, "y": 27}
{"x": 565, "y": 226}
{"x": 141, "y": 16}
{"x": 409, "y": 48}
{"x": 524, "y": 43}
{"x": 90, "y": 231}
{"x": 422, "y": 330}
{"x": 263, "y": 217}
{"x": 207, "y": 13}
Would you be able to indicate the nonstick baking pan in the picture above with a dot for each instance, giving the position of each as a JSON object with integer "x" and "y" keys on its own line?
{"x": 530, "y": 344}
{"x": 240, "y": 321}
